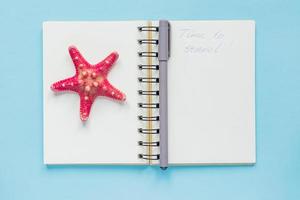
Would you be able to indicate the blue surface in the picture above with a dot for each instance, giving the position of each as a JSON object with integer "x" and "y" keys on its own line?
{"x": 277, "y": 172}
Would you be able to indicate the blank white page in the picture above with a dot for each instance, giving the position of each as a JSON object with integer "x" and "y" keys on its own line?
{"x": 110, "y": 134}
{"x": 211, "y": 92}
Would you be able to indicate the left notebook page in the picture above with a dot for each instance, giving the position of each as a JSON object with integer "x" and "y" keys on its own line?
{"x": 110, "y": 134}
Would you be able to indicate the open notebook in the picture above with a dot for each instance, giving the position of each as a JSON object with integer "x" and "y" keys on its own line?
{"x": 211, "y": 94}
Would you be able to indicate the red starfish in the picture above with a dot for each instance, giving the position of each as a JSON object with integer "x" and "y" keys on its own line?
{"x": 89, "y": 81}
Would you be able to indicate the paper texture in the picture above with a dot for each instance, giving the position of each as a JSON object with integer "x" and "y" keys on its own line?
{"x": 212, "y": 92}
{"x": 110, "y": 134}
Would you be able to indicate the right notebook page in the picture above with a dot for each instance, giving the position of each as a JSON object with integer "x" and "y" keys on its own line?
{"x": 211, "y": 91}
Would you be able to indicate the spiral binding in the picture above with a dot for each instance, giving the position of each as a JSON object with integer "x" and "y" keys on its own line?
{"x": 148, "y": 54}
{"x": 148, "y": 80}
{"x": 148, "y": 28}
{"x": 143, "y": 118}
{"x": 153, "y": 93}
{"x": 151, "y": 144}
{"x": 152, "y": 67}
{"x": 149, "y": 157}
{"x": 142, "y": 80}
{"x": 148, "y": 41}
{"x": 148, "y": 131}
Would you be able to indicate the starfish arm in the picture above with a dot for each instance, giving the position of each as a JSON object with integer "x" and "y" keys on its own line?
{"x": 77, "y": 58}
{"x": 69, "y": 84}
{"x": 105, "y": 65}
{"x": 86, "y": 103}
{"x": 106, "y": 89}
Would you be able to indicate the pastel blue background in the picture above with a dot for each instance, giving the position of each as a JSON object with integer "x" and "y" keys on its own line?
{"x": 277, "y": 172}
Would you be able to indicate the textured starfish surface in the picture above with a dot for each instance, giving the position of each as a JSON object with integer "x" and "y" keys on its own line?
{"x": 89, "y": 81}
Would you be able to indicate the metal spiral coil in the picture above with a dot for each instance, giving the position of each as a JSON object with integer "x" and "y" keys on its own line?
{"x": 148, "y": 144}
{"x": 143, "y": 118}
{"x": 148, "y": 28}
{"x": 148, "y": 93}
{"x": 148, "y": 131}
{"x": 148, "y": 41}
{"x": 152, "y": 67}
{"x": 148, "y": 54}
{"x": 149, "y": 157}
{"x": 145, "y": 92}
